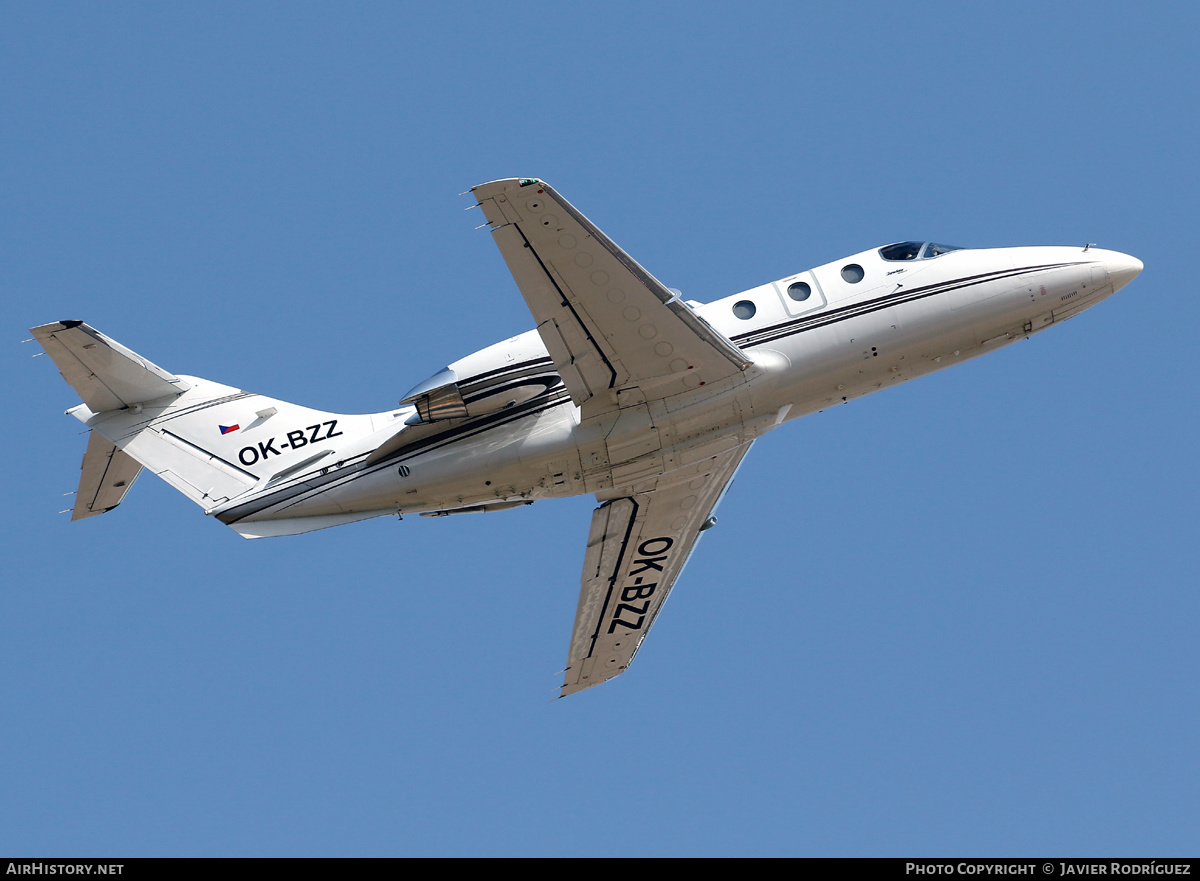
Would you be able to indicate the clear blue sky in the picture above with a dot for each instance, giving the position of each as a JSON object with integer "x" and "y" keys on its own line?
{"x": 959, "y": 617}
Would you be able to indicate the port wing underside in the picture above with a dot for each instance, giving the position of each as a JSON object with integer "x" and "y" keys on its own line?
{"x": 637, "y": 547}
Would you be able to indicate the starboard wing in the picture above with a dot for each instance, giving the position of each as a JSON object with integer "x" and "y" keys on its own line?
{"x": 606, "y": 321}
{"x": 637, "y": 547}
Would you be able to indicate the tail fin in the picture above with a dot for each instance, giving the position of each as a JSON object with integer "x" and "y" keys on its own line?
{"x": 212, "y": 442}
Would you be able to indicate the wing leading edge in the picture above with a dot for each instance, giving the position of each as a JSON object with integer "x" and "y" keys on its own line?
{"x": 606, "y": 321}
{"x": 637, "y": 547}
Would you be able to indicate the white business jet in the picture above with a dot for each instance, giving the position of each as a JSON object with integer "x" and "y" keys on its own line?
{"x": 624, "y": 390}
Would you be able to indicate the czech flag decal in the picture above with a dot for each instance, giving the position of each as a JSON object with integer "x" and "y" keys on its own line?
{"x": 225, "y": 429}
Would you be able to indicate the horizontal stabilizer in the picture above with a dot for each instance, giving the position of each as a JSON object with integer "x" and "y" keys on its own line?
{"x": 106, "y": 475}
{"x": 105, "y": 374}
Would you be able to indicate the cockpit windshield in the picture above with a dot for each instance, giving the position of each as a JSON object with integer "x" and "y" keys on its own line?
{"x": 915, "y": 250}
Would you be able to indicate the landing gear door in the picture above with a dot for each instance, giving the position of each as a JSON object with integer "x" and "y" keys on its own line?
{"x": 800, "y": 293}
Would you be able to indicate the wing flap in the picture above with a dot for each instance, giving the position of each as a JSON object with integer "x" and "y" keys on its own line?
{"x": 562, "y": 353}
{"x": 606, "y": 321}
{"x": 637, "y": 547}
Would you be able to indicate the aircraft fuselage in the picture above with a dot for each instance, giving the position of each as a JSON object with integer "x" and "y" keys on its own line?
{"x": 817, "y": 338}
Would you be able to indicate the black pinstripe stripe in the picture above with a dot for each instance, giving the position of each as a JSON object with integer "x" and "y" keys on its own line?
{"x": 566, "y": 302}
{"x": 895, "y": 298}
{"x": 616, "y": 574}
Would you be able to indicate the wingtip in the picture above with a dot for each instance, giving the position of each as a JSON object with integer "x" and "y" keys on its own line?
{"x": 503, "y": 182}
{"x": 55, "y": 326}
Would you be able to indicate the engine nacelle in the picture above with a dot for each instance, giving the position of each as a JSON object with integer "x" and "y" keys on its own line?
{"x": 442, "y": 397}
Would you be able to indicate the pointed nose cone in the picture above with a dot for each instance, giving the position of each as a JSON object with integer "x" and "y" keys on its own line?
{"x": 1122, "y": 269}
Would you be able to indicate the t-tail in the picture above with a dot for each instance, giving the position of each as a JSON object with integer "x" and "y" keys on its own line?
{"x": 215, "y": 444}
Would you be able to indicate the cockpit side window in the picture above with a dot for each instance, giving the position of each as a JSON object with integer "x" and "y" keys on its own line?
{"x": 915, "y": 250}
{"x": 901, "y": 251}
